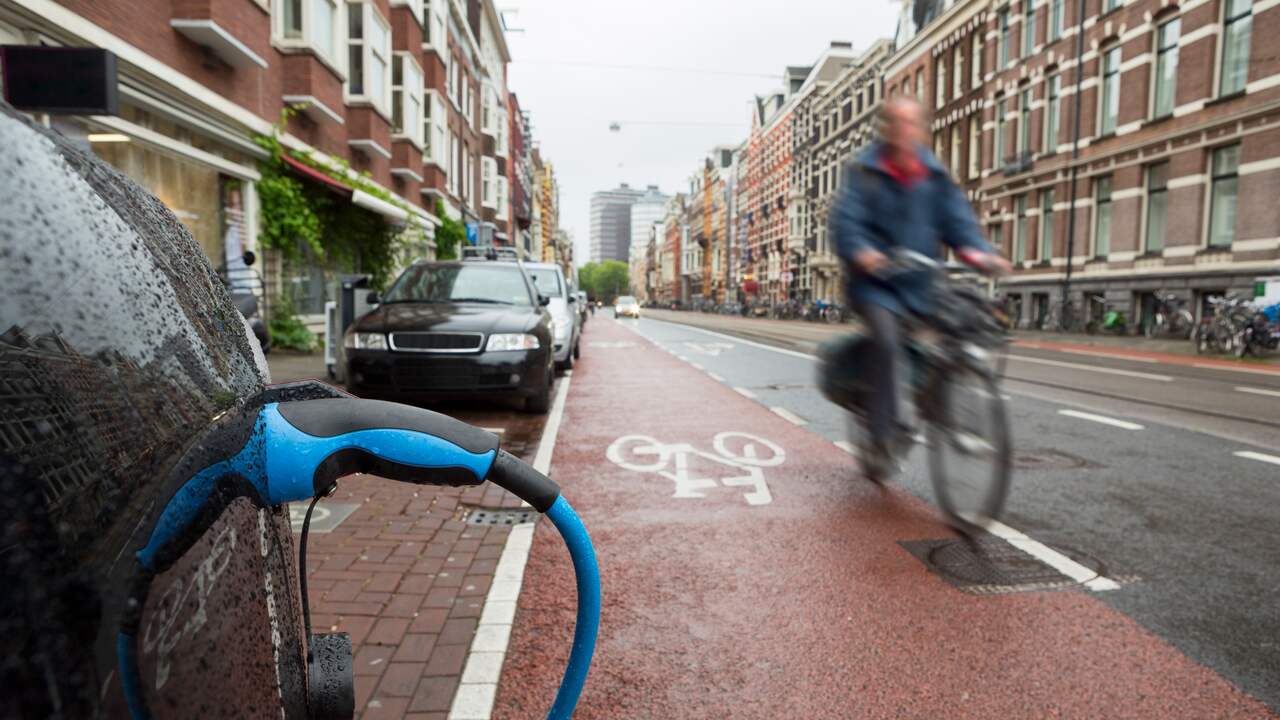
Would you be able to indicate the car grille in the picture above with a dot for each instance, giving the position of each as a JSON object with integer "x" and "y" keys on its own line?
{"x": 436, "y": 342}
{"x": 447, "y": 374}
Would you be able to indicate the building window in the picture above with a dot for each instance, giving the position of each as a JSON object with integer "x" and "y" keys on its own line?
{"x": 1109, "y": 5}
{"x": 486, "y": 109}
{"x": 500, "y": 187}
{"x": 1102, "y": 217}
{"x": 1024, "y": 123}
{"x": 997, "y": 237}
{"x": 308, "y": 23}
{"x": 1057, "y": 16}
{"x": 488, "y": 169}
{"x": 957, "y": 71}
{"x": 1237, "y": 25}
{"x": 1020, "y": 230}
{"x": 406, "y": 98}
{"x": 955, "y": 150}
{"x": 435, "y": 130}
{"x": 920, "y": 84}
{"x": 1028, "y": 28}
{"x": 940, "y": 82}
{"x": 1157, "y": 207}
{"x": 1052, "y": 112}
{"x": 368, "y": 55}
{"x": 1004, "y": 38}
{"x": 997, "y": 150}
{"x": 468, "y": 104}
{"x": 500, "y": 139}
{"x": 1046, "y": 225}
{"x": 975, "y": 81}
{"x": 1109, "y": 108}
{"x": 1166, "y": 80}
{"x": 975, "y": 146}
{"x": 1222, "y": 204}
{"x": 433, "y": 26}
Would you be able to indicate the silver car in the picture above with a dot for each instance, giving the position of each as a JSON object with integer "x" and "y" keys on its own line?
{"x": 548, "y": 278}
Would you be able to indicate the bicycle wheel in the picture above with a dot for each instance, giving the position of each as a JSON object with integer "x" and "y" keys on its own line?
{"x": 970, "y": 453}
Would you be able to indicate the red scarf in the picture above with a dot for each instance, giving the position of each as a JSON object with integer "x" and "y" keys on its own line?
{"x": 907, "y": 174}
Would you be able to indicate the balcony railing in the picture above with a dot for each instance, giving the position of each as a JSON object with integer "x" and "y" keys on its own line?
{"x": 1018, "y": 163}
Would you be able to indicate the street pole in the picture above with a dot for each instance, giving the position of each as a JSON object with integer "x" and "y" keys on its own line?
{"x": 1063, "y": 320}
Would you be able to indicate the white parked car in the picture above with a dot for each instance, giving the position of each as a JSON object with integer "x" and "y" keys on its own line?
{"x": 549, "y": 280}
{"x": 626, "y": 306}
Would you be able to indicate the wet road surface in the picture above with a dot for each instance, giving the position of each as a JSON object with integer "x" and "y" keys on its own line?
{"x": 750, "y": 572}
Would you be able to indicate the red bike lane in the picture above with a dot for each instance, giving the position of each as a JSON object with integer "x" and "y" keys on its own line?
{"x": 720, "y": 604}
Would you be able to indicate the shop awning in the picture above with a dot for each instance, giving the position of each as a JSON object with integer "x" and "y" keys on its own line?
{"x": 314, "y": 175}
{"x": 359, "y": 198}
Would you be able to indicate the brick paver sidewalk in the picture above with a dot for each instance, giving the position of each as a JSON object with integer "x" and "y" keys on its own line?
{"x": 405, "y": 575}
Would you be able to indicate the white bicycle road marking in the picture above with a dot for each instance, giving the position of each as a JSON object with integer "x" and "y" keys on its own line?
{"x": 1257, "y": 391}
{"x": 1260, "y": 457}
{"x": 611, "y": 343}
{"x": 742, "y": 453}
{"x": 709, "y": 348}
{"x": 1101, "y": 419}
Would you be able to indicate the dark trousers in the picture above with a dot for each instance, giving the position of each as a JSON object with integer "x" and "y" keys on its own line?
{"x": 881, "y": 369}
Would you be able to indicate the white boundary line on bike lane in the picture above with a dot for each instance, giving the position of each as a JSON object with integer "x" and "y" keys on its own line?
{"x": 478, "y": 688}
{"x": 1054, "y": 559}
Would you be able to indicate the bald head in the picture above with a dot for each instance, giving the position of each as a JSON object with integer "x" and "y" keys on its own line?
{"x": 902, "y": 124}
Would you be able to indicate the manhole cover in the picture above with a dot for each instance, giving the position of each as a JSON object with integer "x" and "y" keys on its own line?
{"x": 990, "y": 566}
{"x": 1038, "y": 459}
{"x": 497, "y": 516}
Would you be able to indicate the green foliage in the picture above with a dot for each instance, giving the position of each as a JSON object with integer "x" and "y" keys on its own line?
{"x": 289, "y": 332}
{"x": 289, "y": 216}
{"x": 449, "y": 235}
{"x": 606, "y": 280}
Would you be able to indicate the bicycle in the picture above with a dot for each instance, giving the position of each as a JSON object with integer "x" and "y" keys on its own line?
{"x": 1169, "y": 317}
{"x": 955, "y": 387}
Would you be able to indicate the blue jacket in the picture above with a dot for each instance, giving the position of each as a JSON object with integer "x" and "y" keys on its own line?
{"x": 872, "y": 210}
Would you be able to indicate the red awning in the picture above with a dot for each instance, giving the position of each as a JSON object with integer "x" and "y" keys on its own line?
{"x": 317, "y": 176}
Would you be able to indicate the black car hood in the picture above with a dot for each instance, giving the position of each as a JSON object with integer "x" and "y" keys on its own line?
{"x": 447, "y": 317}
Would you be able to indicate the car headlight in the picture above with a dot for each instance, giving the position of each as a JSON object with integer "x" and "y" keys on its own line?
{"x": 511, "y": 341}
{"x": 365, "y": 341}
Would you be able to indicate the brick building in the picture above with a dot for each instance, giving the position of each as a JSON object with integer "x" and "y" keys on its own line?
{"x": 410, "y": 92}
{"x": 1178, "y": 138}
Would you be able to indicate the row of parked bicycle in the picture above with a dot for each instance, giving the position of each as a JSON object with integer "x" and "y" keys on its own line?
{"x": 815, "y": 311}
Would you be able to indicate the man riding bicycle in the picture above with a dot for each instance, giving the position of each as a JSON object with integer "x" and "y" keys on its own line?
{"x": 895, "y": 195}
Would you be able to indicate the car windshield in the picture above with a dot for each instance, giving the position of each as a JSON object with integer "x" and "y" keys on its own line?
{"x": 479, "y": 283}
{"x": 546, "y": 280}
{"x": 626, "y": 300}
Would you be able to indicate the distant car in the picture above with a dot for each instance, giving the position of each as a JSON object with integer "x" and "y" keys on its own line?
{"x": 584, "y": 306}
{"x": 626, "y": 306}
{"x": 476, "y": 327}
{"x": 549, "y": 280}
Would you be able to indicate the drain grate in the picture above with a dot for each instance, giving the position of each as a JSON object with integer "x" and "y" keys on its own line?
{"x": 991, "y": 566}
{"x": 496, "y": 516}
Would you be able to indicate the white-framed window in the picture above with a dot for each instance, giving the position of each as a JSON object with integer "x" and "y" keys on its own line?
{"x": 435, "y": 130}
{"x": 1157, "y": 207}
{"x": 368, "y": 55}
{"x": 1028, "y": 28}
{"x": 316, "y": 24}
{"x": 407, "y": 99}
{"x": 1004, "y": 38}
{"x": 435, "y": 35}
{"x": 920, "y": 89}
{"x": 1109, "y": 5}
{"x": 1223, "y": 196}
{"x": 1046, "y": 225}
{"x": 975, "y": 146}
{"x": 940, "y": 82}
{"x": 1102, "y": 216}
{"x": 998, "y": 147}
{"x": 957, "y": 70}
{"x": 1166, "y": 73}
{"x": 414, "y": 5}
{"x": 1057, "y": 18}
{"x": 1024, "y": 122}
{"x": 975, "y": 62}
{"x": 488, "y": 171}
{"x": 504, "y": 205}
{"x": 452, "y": 154}
{"x": 501, "y": 148}
{"x": 453, "y": 81}
{"x": 1020, "y": 229}
{"x": 468, "y": 104}
{"x": 488, "y": 98}
{"x": 1237, "y": 27}
{"x": 1109, "y": 104}
{"x": 955, "y": 150}
{"x": 1052, "y": 111}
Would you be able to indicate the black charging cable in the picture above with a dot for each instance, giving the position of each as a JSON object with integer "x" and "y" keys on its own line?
{"x": 302, "y": 563}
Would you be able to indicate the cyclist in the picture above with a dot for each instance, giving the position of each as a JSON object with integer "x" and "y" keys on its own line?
{"x": 896, "y": 195}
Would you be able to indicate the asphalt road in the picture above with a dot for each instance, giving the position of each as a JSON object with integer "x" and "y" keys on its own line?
{"x": 1160, "y": 495}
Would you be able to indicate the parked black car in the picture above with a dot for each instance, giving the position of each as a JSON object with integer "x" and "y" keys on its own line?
{"x": 455, "y": 328}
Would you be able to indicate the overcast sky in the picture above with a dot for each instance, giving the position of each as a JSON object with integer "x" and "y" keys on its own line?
{"x": 669, "y": 118}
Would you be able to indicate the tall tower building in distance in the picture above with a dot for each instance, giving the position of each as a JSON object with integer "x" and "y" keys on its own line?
{"x": 648, "y": 209}
{"x": 611, "y": 223}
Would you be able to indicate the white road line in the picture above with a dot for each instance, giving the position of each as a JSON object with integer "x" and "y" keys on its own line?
{"x": 846, "y": 446}
{"x": 1051, "y": 557}
{"x": 475, "y": 695}
{"x": 683, "y": 358}
{"x": 1099, "y": 353}
{"x": 1255, "y": 371}
{"x": 745, "y": 393}
{"x": 1260, "y": 457}
{"x": 735, "y": 338}
{"x": 714, "y": 376}
{"x": 789, "y": 416}
{"x": 1091, "y": 368}
{"x": 696, "y": 366}
{"x": 1258, "y": 391}
{"x": 1101, "y": 419}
